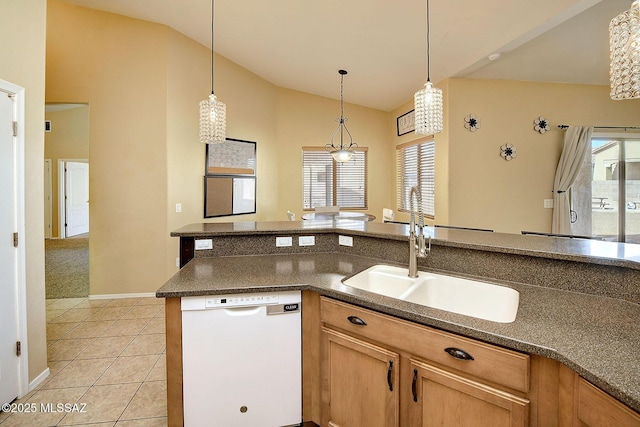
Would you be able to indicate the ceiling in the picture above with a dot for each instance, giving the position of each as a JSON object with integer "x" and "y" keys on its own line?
{"x": 301, "y": 44}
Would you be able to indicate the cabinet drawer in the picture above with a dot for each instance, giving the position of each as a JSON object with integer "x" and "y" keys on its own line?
{"x": 495, "y": 364}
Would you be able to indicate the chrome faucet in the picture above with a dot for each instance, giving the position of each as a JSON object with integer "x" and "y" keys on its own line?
{"x": 417, "y": 246}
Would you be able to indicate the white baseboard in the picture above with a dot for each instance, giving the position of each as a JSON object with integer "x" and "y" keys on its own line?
{"x": 117, "y": 296}
{"x": 38, "y": 380}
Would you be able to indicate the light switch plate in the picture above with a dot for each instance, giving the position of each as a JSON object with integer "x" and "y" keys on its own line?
{"x": 548, "y": 203}
{"x": 202, "y": 244}
{"x": 283, "y": 241}
{"x": 178, "y": 207}
{"x": 306, "y": 240}
{"x": 345, "y": 240}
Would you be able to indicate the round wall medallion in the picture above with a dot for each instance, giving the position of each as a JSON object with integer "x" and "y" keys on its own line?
{"x": 541, "y": 124}
{"x": 508, "y": 151}
{"x": 472, "y": 122}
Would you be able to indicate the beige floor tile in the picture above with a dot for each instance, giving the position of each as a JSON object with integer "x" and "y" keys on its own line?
{"x": 159, "y": 371}
{"x": 93, "y": 303}
{"x": 161, "y": 313}
{"x": 67, "y": 349}
{"x": 90, "y": 329}
{"x": 65, "y": 303}
{"x": 80, "y": 372}
{"x": 105, "y": 347}
{"x": 152, "y": 301}
{"x": 52, "y": 314}
{"x": 45, "y": 415}
{"x": 146, "y": 344}
{"x": 126, "y": 327}
{"x": 145, "y": 403}
{"x": 54, "y": 369}
{"x": 124, "y": 302}
{"x": 155, "y": 326}
{"x": 107, "y": 424}
{"x": 75, "y": 315}
{"x": 104, "y": 403}
{"x": 128, "y": 370}
{"x": 142, "y": 312}
{"x": 55, "y": 331}
{"x": 109, "y": 313}
{"x": 144, "y": 422}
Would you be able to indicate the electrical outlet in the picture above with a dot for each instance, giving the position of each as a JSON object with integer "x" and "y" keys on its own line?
{"x": 306, "y": 240}
{"x": 177, "y": 262}
{"x": 178, "y": 207}
{"x": 202, "y": 244}
{"x": 345, "y": 240}
{"x": 284, "y": 241}
{"x": 548, "y": 203}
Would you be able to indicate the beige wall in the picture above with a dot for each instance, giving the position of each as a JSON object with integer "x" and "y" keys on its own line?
{"x": 22, "y": 41}
{"x": 68, "y": 139}
{"x": 144, "y": 151}
{"x": 475, "y": 187}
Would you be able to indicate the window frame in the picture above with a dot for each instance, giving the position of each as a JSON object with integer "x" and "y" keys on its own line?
{"x": 334, "y": 178}
{"x": 422, "y": 166}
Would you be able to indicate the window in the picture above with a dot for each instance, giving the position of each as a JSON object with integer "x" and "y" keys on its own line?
{"x": 416, "y": 166}
{"x": 328, "y": 183}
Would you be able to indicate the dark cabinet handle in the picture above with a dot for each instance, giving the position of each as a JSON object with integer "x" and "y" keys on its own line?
{"x": 413, "y": 385}
{"x": 458, "y": 354}
{"x": 357, "y": 321}
{"x": 389, "y": 378}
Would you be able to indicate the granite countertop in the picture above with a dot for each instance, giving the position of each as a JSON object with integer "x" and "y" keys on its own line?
{"x": 598, "y": 337}
{"x": 582, "y": 250}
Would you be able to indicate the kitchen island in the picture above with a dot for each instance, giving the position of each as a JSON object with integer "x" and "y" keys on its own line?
{"x": 578, "y": 299}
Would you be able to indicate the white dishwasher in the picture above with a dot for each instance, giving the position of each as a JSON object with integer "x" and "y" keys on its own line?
{"x": 242, "y": 360}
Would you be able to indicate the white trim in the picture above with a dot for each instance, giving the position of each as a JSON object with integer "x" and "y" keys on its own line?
{"x": 38, "y": 380}
{"x": 19, "y": 103}
{"x": 118, "y": 296}
{"x": 48, "y": 234}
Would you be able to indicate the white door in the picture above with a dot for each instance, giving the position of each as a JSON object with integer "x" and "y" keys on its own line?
{"x": 77, "y": 198}
{"x": 9, "y": 361}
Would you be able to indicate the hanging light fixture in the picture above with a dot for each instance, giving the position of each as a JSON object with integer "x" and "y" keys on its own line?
{"x": 624, "y": 42}
{"x": 341, "y": 153}
{"x": 213, "y": 113}
{"x": 428, "y": 101}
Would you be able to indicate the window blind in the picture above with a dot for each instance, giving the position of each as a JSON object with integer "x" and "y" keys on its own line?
{"x": 416, "y": 166}
{"x": 328, "y": 183}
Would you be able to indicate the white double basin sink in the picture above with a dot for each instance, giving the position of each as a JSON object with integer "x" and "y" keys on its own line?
{"x": 463, "y": 296}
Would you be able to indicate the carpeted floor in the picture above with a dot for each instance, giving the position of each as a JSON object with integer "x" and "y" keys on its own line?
{"x": 67, "y": 267}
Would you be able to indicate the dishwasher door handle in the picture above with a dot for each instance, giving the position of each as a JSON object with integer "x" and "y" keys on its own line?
{"x": 242, "y": 311}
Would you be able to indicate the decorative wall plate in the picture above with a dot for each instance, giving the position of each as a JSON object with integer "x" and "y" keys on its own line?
{"x": 541, "y": 124}
{"x": 472, "y": 122}
{"x": 508, "y": 151}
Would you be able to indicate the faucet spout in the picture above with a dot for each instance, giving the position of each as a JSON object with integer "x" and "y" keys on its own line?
{"x": 417, "y": 246}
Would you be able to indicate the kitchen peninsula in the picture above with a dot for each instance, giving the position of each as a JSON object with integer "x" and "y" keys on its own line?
{"x": 577, "y": 318}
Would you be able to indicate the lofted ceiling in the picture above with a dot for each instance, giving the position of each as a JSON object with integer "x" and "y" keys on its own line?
{"x": 301, "y": 44}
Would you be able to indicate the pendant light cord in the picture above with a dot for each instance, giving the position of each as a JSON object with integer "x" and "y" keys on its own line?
{"x": 341, "y": 101}
{"x": 428, "y": 44}
{"x": 212, "y": 54}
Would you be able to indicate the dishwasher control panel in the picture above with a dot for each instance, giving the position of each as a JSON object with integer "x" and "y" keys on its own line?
{"x": 219, "y": 301}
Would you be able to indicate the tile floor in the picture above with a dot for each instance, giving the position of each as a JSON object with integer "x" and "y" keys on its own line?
{"x": 108, "y": 356}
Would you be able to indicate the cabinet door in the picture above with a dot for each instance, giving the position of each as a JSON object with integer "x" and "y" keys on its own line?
{"x": 595, "y": 408}
{"x": 360, "y": 383}
{"x": 441, "y": 398}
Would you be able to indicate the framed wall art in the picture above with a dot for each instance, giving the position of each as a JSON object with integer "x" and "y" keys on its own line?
{"x": 406, "y": 123}
{"x": 230, "y": 178}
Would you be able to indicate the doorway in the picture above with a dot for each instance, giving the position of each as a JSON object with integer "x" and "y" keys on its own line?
{"x": 67, "y": 251}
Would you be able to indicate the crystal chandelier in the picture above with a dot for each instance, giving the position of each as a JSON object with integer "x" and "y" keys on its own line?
{"x": 428, "y": 101}
{"x": 341, "y": 153}
{"x": 213, "y": 113}
{"x": 624, "y": 41}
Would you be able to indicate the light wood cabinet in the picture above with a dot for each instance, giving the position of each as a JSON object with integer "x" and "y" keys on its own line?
{"x": 444, "y": 379}
{"x": 442, "y": 398}
{"x": 361, "y": 382}
{"x": 595, "y": 408}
